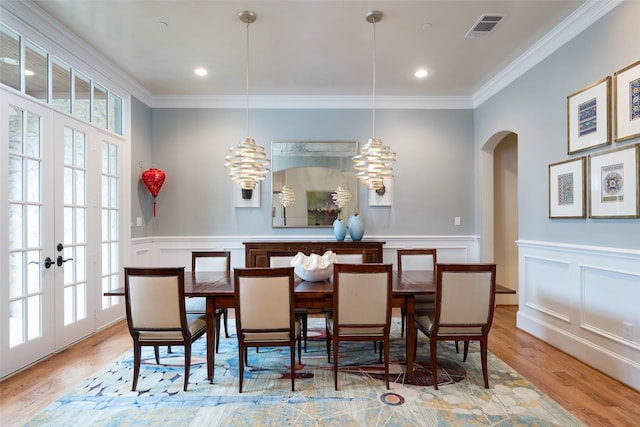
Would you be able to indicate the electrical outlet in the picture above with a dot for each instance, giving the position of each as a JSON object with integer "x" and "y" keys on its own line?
{"x": 627, "y": 331}
{"x": 139, "y": 221}
{"x": 456, "y": 220}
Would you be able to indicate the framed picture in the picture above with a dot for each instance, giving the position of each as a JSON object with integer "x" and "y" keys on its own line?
{"x": 627, "y": 102}
{"x": 246, "y": 199}
{"x": 383, "y": 196}
{"x": 589, "y": 117}
{"x": 567, "y": 191}
{"x": 614, "y": 183}
{"x": 321, "y": 212}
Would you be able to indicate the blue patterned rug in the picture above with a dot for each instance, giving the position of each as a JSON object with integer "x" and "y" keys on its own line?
{"x": 106, "y": 399}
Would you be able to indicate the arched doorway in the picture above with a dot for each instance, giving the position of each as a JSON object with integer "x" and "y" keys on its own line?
{"x": 500, "y": 209}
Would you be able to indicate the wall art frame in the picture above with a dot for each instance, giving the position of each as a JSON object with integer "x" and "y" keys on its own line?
{"x": 614, "y": 183}
{"x": 589, "y": 117}
{"x": 627, "y": 102}
{"x": 321, "y": 211}
{"x": 567, "y": 189}
{"x": 240, "y": 202}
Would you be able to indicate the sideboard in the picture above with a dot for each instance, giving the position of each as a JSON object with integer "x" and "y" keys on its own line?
{"x": 256, "y": 252}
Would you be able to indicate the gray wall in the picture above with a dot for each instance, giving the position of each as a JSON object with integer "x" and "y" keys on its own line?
{"x": 141, "y": 199}
{"x": 534, "y": 107}
{"x": 433, "y": 175}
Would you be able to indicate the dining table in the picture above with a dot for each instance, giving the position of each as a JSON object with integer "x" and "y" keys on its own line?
{"x": 217, "y": 288}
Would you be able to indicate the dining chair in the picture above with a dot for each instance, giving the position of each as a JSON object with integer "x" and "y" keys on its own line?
{"x": 464, "y": 304}
{"x": 156, "y": 315}
{"x": 361, "y": 309}
{"x": 350, "y": 256}
{"x": 417, "y": 260}
{"x": 210, "y": 261}
{"x": 283, "y": 259}
{"x": 265, "y": 315}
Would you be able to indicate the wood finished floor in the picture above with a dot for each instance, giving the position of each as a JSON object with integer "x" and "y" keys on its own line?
{"x": 591, "y": 396}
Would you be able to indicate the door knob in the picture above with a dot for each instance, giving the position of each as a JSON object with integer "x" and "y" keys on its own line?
{"x": 60, "y": 247}
{"x": 48, "y": 262}
{"x": 60, "y": 261}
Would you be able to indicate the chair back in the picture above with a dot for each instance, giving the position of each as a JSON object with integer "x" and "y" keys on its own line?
{"x": 280, "y": 258}
{"x": 211, "y": 261}
{"x": 350, "y": 256}
{"x": 154, "y": 298}
{"x": 465, "y": 298}
{"x": 417, "y": 259}
{"x": 265, "y": 302}
{"x": 362, "y": 298}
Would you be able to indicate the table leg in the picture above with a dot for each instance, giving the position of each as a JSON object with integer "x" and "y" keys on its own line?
{"x": 211, "y": 337}
{"x": 410, "y": 336}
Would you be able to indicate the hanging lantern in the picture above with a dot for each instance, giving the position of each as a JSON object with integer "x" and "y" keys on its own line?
{"x": 153, "y": 179}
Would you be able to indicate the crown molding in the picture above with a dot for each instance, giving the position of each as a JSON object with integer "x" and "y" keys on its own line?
{"x": 574, "y": 24}
{"x": 314, "y": 102}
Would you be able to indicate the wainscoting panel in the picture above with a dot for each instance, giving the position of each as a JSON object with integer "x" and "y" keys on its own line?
{"x": 584, "y": 300}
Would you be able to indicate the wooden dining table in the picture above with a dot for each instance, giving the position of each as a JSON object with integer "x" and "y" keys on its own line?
{"x": 217, "y": 288}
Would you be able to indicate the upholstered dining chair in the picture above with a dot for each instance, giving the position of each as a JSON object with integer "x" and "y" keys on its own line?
{"x": 283, "y": 259}
{"x": 361, "y": 309}
{"x": 155, "y": 306}
{"x": 265, "y": 315}
{"x": 464, "y": 304}
{"x": 210, "y": 261}
{"x": 350, "y": 256}
{"x": 417, "y": 260}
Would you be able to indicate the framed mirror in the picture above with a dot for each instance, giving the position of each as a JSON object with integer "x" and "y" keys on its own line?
{"x": 313, "y": 170}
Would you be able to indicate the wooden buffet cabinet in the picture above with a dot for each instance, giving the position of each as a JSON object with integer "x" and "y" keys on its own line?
{"x": 256, "y": 252}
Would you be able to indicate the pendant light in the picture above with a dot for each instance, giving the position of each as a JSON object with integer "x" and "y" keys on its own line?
{"x": 375, "y": 160}
{"x": 287, "y": 196}
{"x": 341, "y": 196}
{"x": 247, "y": 163}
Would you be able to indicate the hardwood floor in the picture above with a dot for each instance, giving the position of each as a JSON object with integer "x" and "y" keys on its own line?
{"x": 591, "y": 396}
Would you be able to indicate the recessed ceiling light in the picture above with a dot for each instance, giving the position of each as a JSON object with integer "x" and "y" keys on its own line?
{"x": 163, "y": 24}
{"x": 426, "y": 26}
{"x": 421, "y": 73}
{"x": 29, "y": 73}
{"x": 10, "y": 61}
{"x": 201, "y": 72}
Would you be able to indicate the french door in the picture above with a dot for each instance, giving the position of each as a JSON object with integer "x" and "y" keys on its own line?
{"x": 54, "y": 229}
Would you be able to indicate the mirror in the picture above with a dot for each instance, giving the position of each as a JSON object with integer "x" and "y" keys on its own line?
{"x": 313, "y": 170}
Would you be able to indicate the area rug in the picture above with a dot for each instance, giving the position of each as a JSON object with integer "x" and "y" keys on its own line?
{"x": 106, "y": 399}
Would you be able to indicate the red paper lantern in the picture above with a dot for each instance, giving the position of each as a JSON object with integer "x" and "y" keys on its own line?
{"x": 153, "y": 179}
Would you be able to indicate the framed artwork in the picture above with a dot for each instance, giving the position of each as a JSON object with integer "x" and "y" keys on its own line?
{"x": 589, "y": 117}
{"x": 567, "y": 191}
{"x": 627, "y": 102}
{"x": 382, "y": 196}
{"x": 321, "y": 212}
{"x": 614, "y": 183}
{"x": 242, "y": 199}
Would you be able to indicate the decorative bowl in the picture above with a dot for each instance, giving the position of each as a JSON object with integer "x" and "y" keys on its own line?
{"x": 315, "y": 275}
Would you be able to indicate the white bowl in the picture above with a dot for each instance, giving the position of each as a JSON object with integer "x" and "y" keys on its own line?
{"x": 313, "y": 276}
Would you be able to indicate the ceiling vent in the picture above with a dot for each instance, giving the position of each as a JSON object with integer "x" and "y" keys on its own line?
{"x": 484, "y": 25}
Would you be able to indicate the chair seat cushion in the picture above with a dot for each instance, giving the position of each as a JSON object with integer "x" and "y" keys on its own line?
{"x": 197, "y": 323}
{"x": 425, "y": 319}
{"x": 271, "y": 336}
{"x": 347, "y": 332}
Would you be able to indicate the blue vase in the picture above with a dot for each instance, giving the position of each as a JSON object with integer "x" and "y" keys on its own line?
{"x": 356, "y": 227}
{"x": 339, "y": 229}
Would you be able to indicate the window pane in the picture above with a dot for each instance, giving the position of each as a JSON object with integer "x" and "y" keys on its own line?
{"x": 79, "y": 262}
{"x": 80, "y": 144}
{"x": 113, "y": 161}
{"x": 80, "y": 225}
{"x": 99, "y": 117}
{"x": 114, "y": 193}
{"x": 114, "y": 257}
{"x": 33, "y": 181}
{"x": 33, "y": 317}
{"x": 15, "y": 130}
{"x": 33, "y": 226}
{"x": 68, "y": 146}
{"x": 15, "y": 226}
{"x": 81, "y": 300}
{"x": 16, "y": 322}
{"x": 115, "y": 113}
{"x": 114, "y": 225}
{"x": 15, "y": 275}
{"x": 68, "y": 186}
{"x": 104, "y": 158}
{"x": 80, "y": 187}
{"x": 35, "y": 72}
{"x": 105, "y": 259}
{"x": 15, "y": 178}
{"x": 33, "y": 135}
{"x": 105, "y": 224}
{"x": 10, "y": 54}
{"x": 82, "y": 97}
{"x": 68, "y": 226}
{"x": 33, "y": 272}
{"x": 68, "y": 305}
{"x": 61, "y": 76}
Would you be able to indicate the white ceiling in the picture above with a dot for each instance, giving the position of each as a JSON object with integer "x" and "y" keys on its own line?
{"x": 310, "y": 47}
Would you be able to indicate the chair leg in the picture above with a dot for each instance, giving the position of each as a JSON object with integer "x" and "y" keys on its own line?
{"x": 226, "y": 325}
{"x": 136, "y": 365}
{"x": 335, "y": 361}
{"x": 328, "y": 345}
{"x": 466, "y": 350}
{"x": 386, "y": 361}
{"x": 483, "y": 357}
{"x": 457, "y": 348}
{"x": 169, "y": 349}
{"x": 434, "y": 364}
{"x": 305, "y": 320}
{"x": 300, "y": 350}
{"x": 292, "y": 348}
{"x": 402, "y": 321}
{"x": 156, "y": 352}
{"x": 242, "y": 353}
{"x": 187, "y": 364}
{"x": 217, "y": 329}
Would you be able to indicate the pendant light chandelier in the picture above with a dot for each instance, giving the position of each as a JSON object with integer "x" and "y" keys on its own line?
{"x": 341, "y": 196}
{"x": 247, "y": 163}
{"x": 287, "y": 196}
{"x": 375, "y": 160}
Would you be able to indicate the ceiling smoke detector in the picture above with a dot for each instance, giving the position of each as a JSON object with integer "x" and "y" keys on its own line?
{"x": 484, "y": 25}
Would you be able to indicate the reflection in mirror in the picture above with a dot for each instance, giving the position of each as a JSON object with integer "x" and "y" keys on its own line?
{"x": 313, "y": 170}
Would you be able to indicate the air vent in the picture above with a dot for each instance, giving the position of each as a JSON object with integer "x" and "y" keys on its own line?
{"x": 484, "y": 25}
